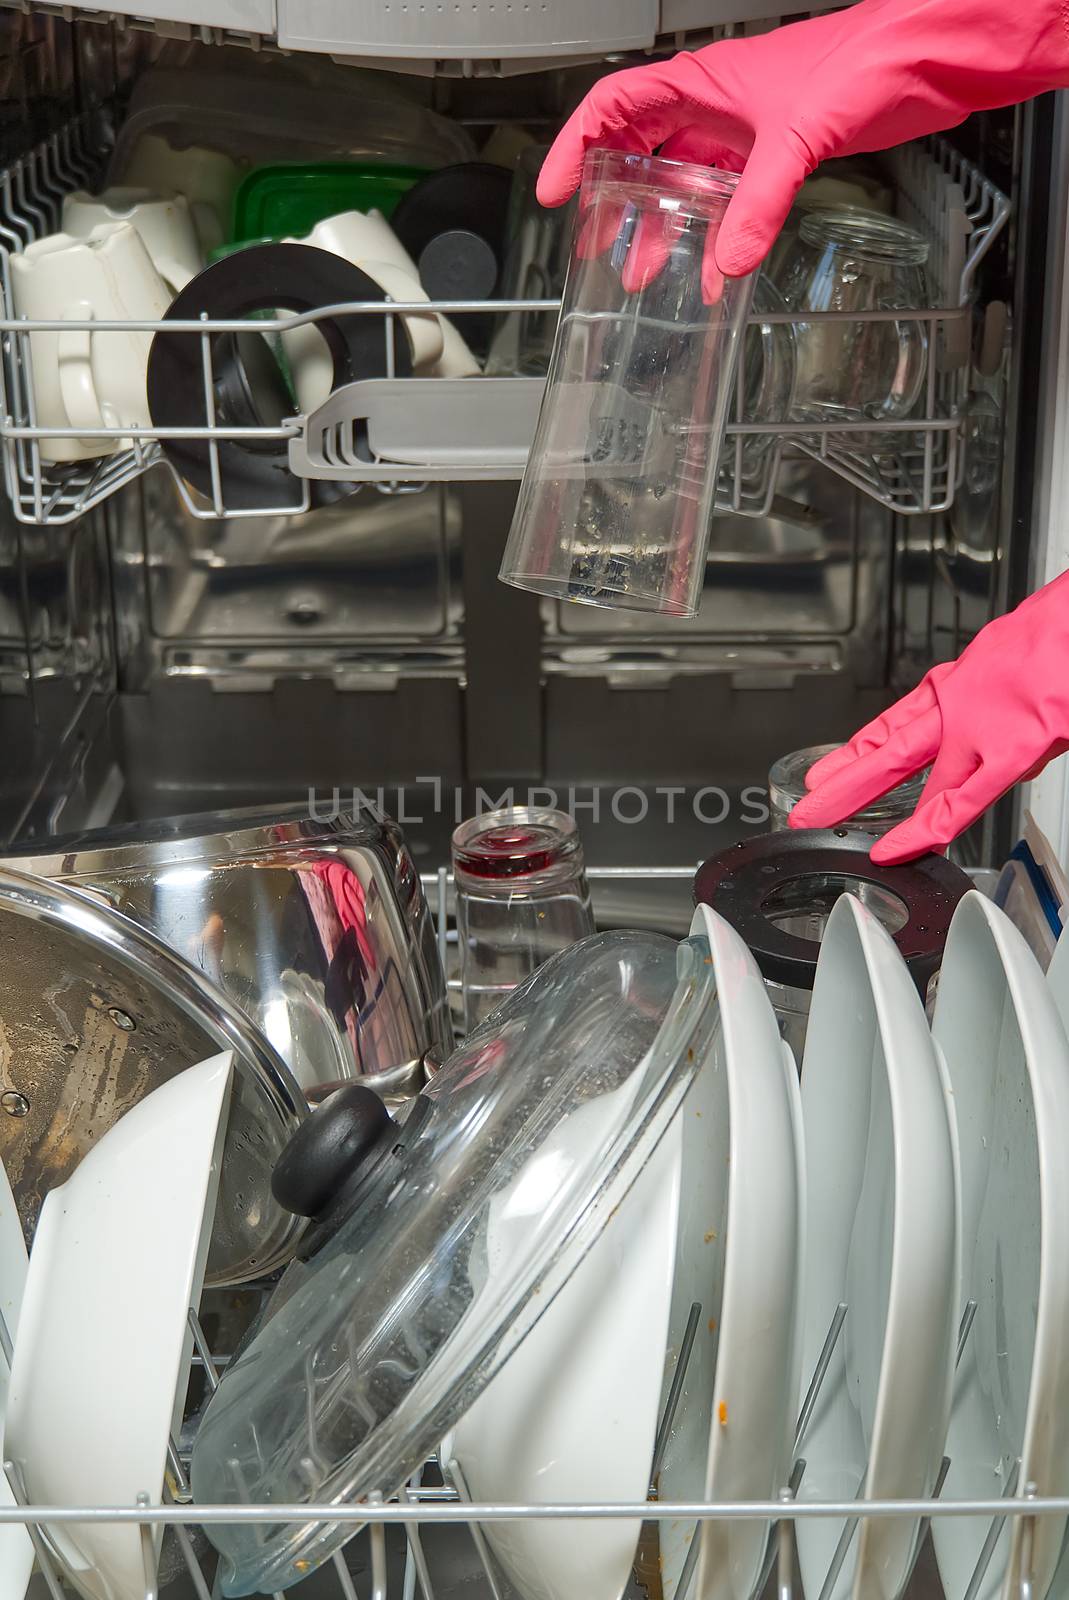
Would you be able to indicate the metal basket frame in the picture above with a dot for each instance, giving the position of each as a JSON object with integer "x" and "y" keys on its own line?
{"x": 419, "y": 1506}
{"x": 914, "y": 469}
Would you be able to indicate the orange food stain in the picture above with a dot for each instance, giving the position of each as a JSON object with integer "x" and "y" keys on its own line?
{"x": 722, "y": 1413}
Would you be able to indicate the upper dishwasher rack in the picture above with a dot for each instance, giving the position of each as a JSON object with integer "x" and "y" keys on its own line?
{"x": 396, "y": 433}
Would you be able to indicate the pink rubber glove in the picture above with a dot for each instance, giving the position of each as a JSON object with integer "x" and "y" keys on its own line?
{"x": 866, "y": 78}
{"x": 996, "y": 715}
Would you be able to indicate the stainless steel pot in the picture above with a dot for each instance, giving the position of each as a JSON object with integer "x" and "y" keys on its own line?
{"x": 95, "y": 1013}
{"x": 318, "y": 930}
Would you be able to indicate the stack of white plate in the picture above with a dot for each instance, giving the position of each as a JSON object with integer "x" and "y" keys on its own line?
{"x": 895, "y": 1231}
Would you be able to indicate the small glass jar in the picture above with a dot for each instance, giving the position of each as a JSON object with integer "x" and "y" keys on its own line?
{"x": 786, "y": 786}
{"x": 853, "y": 261}
{"x": 521, "y": 895}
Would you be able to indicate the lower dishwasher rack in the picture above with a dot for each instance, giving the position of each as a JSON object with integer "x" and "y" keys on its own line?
{"x": 427, "y": 1540}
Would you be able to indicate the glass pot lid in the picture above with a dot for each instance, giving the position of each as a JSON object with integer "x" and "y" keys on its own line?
{"x": 478, "y": 1208}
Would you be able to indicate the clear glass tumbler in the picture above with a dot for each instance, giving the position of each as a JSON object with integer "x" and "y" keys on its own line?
{"x": 615, "y": 504}
{"x": 521, "y": 895}
{"x": 536, "y": 265}
{"x": 851, "y": 261}
{"x": 786, "y": 786}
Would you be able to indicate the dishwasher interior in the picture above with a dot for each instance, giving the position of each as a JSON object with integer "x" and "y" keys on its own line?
{"x": 159, "y": 659}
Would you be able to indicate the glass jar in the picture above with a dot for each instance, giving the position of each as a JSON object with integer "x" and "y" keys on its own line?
{"x": 616, "y": 501}
{"x": 521, "y": 895}
{"x": 855, "y": 261}
{"x": 768, "y": 364}
{"x": 786, "y": 786}
{"x": 536, "y": 265}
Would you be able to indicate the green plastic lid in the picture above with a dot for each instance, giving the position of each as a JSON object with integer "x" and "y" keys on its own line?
{"x": 283, "y": 202}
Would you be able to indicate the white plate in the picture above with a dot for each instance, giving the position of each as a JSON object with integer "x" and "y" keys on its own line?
{"x": 882, "y": 1237}
{"x": 16, "y": 1549}
{"x": 739, "y": 1257}
{"x": 1006, "y": 1051}
{"x": 572, "y": 1415}
{"x": 103, "y": 1348}
{"x": 758, "y": 1359}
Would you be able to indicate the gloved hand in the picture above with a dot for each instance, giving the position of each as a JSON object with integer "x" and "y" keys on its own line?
{"x": 866, "y": 78}
{"x": 996, "y": 715}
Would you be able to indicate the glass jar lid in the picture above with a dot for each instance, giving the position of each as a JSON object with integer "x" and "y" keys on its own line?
{"x": 486, "y": 1197}
{"x": 786, "y": 786}
{"x": 868, "y": 234}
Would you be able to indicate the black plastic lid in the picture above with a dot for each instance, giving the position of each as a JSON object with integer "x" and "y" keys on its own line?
{"x": 744, "y": 884}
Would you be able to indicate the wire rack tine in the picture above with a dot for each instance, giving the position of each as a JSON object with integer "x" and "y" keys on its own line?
{"x": 926, "y": 1522}
{"x": 775, "y": 1532}
{"x": 784, "y": 1552}
{"x": 344, "y": 1576}
{"x": 200, "y": 1344}
{"x": 686, "y": 1576}
{"x": 36, "y": 218}
{"x": 378, "y": 1553}
{"x": 415, "y": 1558}
{"x": 1028, "y": 1531}
{"x": 965, "y": 1327}
{"x": 193, "y": 1566}
{"x": 442, "y": 915}
{"x": 17, "y": 1485}
{"x": 968, "y": 1317}
{"x": 820, "y": 1371}
{"x": 178, "y": 1471}
{"x": 675, "y": 1391}
{"x": 148, "y": 1553}
{"x": 456, "y": 1472}
{"x": 7, "y": 1347}
{"x": 987, "y": 1549}
{"x": 843, "y": 1547}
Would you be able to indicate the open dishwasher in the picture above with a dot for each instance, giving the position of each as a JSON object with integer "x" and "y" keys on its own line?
{"x": 173, "y": 643}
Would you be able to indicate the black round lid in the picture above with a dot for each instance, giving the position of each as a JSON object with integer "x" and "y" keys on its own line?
{"x": 274, "y": 278}
{"x": 454, "y": 224}
{"x": 458, "y": 265}
{"x": 473, "y": 196}
{"x": 767, "y": 887}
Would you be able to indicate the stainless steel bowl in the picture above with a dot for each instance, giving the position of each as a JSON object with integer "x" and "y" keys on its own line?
{"x": 317, "y": 929}
{"x": 95, "y": 1013}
